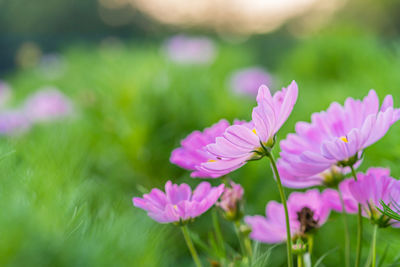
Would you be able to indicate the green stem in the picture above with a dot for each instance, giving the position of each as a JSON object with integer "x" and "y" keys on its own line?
{"x": 359, "y": 227}
{"x": 346, "y": 231}
{"x": 300, "y": 261}
{"x": 374, "y": 245}
{"x": 283, "y": 199}
{"x": 240, "y": 237}
{"x": 247, "y": 244}
{"x": 359, "y": 236}
{"x": 218, "y": 232}
{"x": 353, "y": 172}
{"x": 190, "y": 245}
{"x": 310, "y": 243}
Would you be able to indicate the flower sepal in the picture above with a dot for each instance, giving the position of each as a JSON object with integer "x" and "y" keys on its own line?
{"x": 234, "y": 214}
{"x": 382, "y": 222}
{"x": 349, "y": 162}
{"x": 183, "y": 222}
{"x": 268, "y": 146}
{"x": 377, "y": 218}
{"x": 388, "y": 211}
{"x": 299, "y": 246}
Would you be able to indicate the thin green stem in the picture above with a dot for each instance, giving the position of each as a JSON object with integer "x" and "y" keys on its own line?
{"x": 359, "y": 236}
{"x": 283, "y": 199}
{"x": 218, "y": 232}
{"x": 240, "y": 237}
{"x": 359, "y": 226}
{"x": 374, "y": 245}
{"x": 247, "y": 244}
{"x": 190, "y": 245}
{"x": 353, "y": 172}
{"x": 346, "y": 231}
{"x": 300, "y": 260}
{"x": 310, "y": 243}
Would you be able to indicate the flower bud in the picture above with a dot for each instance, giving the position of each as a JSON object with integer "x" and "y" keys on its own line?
{"x": 230, "y": 201}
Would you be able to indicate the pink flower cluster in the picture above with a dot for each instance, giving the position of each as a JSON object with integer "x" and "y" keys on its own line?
{"x": 369, "y": 190}
{"x": 45, "y": 105}
{"x": 221, "y": 148}
{"x": 178, "y": 203}
{"x": 247, "y": 81}
{"x": 186, "y": 50}
{"x": 307, "y": 212}
{"x": 334, "y": 140}
{"x": 322, "y": 152}
{"x": 193, "y": 150}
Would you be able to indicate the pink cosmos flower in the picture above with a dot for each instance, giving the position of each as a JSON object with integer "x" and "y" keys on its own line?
{"x": 307, "y": 211}
{"x": 230, "y": 200}
{"x": 334, "y": 140}
{"x": 368, "y": 190}
{"x": 193, "y": 152}
{"x": 47, "y": 104}
{"x": 190, "y": 50}
{"x": 247, "y": 81}
{"x": 241, "y": 143}
{"x": 178, "y": 203}
{"x": 332, "y": 197}
{"x": 13, "y": 122}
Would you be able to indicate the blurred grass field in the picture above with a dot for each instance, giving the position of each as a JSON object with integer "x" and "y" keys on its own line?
{"x": 66, "y": 187}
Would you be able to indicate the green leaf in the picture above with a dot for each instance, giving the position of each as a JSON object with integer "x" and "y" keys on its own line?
{"x": 319, "y": 261}
{"x": 262, "y": 259}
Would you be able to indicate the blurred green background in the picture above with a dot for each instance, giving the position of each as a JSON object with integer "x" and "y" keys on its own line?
{"x": 66, "y": 186}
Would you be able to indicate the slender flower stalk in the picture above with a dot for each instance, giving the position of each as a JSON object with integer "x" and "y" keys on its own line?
{"x": 346, "y": 231}
{"x": 218, "y": 233}
{"x": 359, "y": 236}
{"x": 359, "y": 226}
{"x": 189, "y": 243}
{"x": 245, "y": 242}
{"x": 310, "y": 243}
{"x": 300, "y": 260}
{"x": 283, "y": 199}
{"x": 374, "y": 245}
{"x": 249, "y": 250}
{"x": 241, "y": 240}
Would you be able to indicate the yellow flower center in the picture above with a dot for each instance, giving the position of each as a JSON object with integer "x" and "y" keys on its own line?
{"x": 175, "y": 207}
{"x": 254, "y": 131}
{"x": 344, "y": 139}
{"x": 211, "y": 160}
